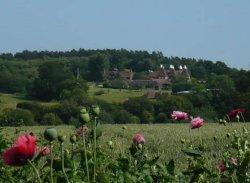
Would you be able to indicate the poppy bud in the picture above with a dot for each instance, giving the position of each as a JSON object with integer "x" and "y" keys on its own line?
{"x": 124, "y": 127}
{"x": 72, "y": 139}
{"x": 85, "y": 117}
{"x": 83, "y": 110}
{"x": 96, "y": 110}
{"x": 61, "y": 138}
{"x": 110, "y": 143}
{"x": 50, "y": 134}
{"x": 140, "y": 146}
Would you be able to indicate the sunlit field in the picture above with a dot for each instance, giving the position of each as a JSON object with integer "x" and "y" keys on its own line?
{"x": 165, "y": 140}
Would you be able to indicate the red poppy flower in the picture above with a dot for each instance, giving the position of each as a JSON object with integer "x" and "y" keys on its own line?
{"x": 22, "y": 150}
{"x": 233, "y": 113}
{"x": 138, "y": 139}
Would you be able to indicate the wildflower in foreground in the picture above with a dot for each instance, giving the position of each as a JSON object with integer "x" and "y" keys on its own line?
{"x": 44, "y": 151}
{"x": 83, "y": 130}
{"x": 179, "y": 115}
{"x": 22, "y": 150}
{"x": 221, "y": 167}
{"x": 233, "y": 113}
{"x": 197, "y": 122}
{"x": 138, "y": 139}
{"x": 233, "y": 161}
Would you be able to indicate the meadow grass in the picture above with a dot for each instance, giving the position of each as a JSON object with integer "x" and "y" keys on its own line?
{"x": 114, "y": 95}
{"x": 161, "y": 139}
{"x": 11, "y": 100}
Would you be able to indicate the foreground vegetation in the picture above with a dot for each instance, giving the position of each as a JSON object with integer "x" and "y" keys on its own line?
{"x": 175, "y": 147}
{"x": 162, "y": 139}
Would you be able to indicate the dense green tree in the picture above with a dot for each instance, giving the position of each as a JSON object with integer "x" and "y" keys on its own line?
{"x": 16, "y": 117}
{"x": 51, "y": 80}
{"x": 97, "y": 64}
{"x": 221, "y": 82}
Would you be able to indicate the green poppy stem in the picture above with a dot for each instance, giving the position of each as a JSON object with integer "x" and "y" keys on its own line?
{"x": 73, "y": 160}
{"x": 36, "y": 171}
{"x": 228, "y": 118}
{"x": 51, "y": 162}
{"x": 63, "y": 168}
{"x": 242, "y": 117}
{"x": 86, "y": 157}
{"x": 94, "y": 177}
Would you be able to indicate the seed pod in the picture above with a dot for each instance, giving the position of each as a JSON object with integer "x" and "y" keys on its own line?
{"x": 61, "y": 138}
{"x": 83, "y": 110}
{"x": 50, "y": 134}
{"x": 110, "y": 144}
{"x": 72, "y": 139}
{"x": 96, "y": 110}
{"x": 140, "y": 146}
{"x": 85, "y": 117}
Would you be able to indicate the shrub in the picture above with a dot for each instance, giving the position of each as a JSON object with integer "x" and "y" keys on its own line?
{"x": 162, "y": 118}
{"x": 51, "y": 119}
{"x": 101, "y": 92}
{"x": 37, "y": 109}
{"x": 134, "y": 120}
{"x": 17, "y": 117}
{"x": 147, "y": 117}
{"x": 122, "y": 117}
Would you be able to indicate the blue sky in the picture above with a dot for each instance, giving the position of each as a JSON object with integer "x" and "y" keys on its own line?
{"x": 214, "y": 29}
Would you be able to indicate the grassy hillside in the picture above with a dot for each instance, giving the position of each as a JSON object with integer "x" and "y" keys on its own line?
{"x": 163, "y": 140}
{"x": 114, "y": 95}
{"x": 11, "y": 100}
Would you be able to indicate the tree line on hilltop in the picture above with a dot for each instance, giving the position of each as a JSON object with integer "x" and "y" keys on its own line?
{"x": 63, "y": 76}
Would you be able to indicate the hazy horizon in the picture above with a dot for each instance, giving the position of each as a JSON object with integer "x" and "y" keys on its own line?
{"x": 211, "y": 30}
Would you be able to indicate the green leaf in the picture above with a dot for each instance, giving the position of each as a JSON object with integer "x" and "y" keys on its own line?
{"x": 193, "y": 152}
{"x": 171, "y": 167}
{"x": 153, "y": 161}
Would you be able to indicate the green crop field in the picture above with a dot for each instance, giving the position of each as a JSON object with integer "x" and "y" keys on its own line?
{"x": 161, "y": 139}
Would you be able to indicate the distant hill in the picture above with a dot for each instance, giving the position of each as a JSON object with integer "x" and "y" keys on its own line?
{"x": 18, "y": 70}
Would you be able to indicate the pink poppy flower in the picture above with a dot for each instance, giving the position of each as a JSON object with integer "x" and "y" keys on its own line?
{"x": 234, "y": 161}
{"x": 22, "y": 150}
{"x": 179, "y": 115}
{"x": 221, "y": 167}
{"x": 233, "y": 113}
{"x": 138, "y": 139}
{"x": 197, "y": 122}
{"x": 82, "y": 130}
{"x": 44, "y": 151}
